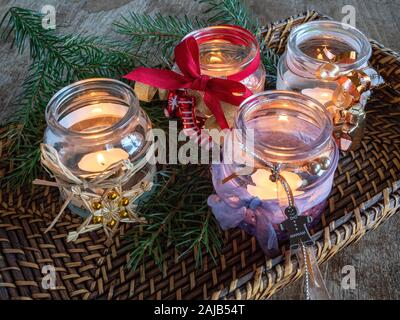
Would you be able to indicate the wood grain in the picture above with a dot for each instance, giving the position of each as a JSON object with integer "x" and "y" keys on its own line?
{"x": 375, "y": 258}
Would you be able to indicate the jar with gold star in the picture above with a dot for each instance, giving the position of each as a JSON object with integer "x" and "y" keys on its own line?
{"x": 98, "y": 145}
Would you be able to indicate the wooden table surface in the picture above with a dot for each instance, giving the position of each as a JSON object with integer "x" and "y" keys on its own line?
{"x": 376, "y": 258}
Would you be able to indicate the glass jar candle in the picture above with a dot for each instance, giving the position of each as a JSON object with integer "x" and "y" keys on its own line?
{"x": 224, "y": 52}
{"x": 328, "y": 61}
{"x": 293, "y": 134}
{"x": 94, "y": 124}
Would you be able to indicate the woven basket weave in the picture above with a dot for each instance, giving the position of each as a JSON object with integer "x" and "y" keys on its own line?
{"x": 366, "y": 192}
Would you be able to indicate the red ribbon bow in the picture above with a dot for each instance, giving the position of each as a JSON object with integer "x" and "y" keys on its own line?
{"x": 229, "y": 90}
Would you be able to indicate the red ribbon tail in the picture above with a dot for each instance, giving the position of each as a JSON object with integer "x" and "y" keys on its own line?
{"x": 215, "y": 107}
{"x": 228, "y": 91}
{"x": 187, "y": 57}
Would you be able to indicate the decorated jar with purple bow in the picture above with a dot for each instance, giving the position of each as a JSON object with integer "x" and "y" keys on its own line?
{"x": 277, "y": 136}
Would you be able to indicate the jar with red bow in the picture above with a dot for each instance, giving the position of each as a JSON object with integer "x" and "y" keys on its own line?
{"x": 215, "y": 69}
{"x": 328, "y": 61}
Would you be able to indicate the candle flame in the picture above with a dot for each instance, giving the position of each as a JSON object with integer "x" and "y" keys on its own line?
{"x": 215, "y": 59}
{"x": 283, "y": 117}
{"x": 101, "y": 160}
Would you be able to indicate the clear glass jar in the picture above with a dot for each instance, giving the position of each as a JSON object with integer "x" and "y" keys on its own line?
{"x": 285, "y": 129}
{"x": 314, "y": 49}
{"x": 95, "y": 123}
{"x": 225, "y": 51}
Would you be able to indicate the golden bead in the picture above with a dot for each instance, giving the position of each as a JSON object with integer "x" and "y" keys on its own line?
{"x": 124, "y": 201}
{"x": 123, "y": 214}
{"x": 97, "y": 205}
{"x": 97, "y": 219}
{"x": 112, "y": 195}
{"x": 111, "y": 223}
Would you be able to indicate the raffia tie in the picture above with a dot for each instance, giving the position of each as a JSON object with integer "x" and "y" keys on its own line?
{"x": 107, "y": 210}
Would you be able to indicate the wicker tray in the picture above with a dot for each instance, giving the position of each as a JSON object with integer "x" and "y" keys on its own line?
{"x": 366, "y": 192}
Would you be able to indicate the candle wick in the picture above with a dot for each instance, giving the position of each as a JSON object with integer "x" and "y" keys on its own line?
{"x": 101, "y": 160}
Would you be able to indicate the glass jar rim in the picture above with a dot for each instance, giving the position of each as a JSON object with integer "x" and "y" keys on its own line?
{"x": 78, "y": 87}
{"x": 281, "y": 154}
{"x": 295, "y": 37}
{"x": 226, "y": 32}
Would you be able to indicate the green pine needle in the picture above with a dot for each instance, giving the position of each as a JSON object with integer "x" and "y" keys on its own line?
{"x": 150, "y": 35}
{"x": 233, "y": 12}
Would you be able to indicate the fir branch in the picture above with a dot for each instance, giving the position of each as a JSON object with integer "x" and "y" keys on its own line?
{"x": 25, "y": 133}
{"x": 57, "y": 60}
{"x": 270, "y": 60}
{"x": 63, "y": 51}
{"x": 178, "y": 217}
{"x": 205, "y": 233}
{"x": 23, "y": 23}
{"x": 149, "y": 34}
{"x": 230, "y": 12}
{"x": 25, "y": 166}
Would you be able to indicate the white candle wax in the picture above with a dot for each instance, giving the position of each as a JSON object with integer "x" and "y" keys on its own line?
{"x": 101, "y": 160}
{"x": 265, "y": 189}
{"x": 322, "y": 95}
{"x": 92, "y": 112}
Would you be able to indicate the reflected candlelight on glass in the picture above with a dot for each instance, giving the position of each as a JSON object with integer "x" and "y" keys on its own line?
{"x": 322, "y": 95}
{"x": 283, "y": 117}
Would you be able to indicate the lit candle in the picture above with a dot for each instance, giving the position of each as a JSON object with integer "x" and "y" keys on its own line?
{"x": 225, "y": 52}
{"x": 283, "y": 129}
{"x": 101, "y": 160}
{"x": 215, "y": 58}
{"x": 93, "y": 118}
{"x": 322, "y": 95}
{"x": 265, "y": 189}
{"x": 98, "y": 134}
